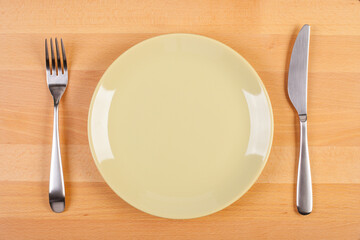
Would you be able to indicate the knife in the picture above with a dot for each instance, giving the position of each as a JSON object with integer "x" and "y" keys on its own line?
{"x": 297, "y": 90}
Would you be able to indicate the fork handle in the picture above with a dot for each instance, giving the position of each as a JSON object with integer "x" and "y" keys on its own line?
{"x": 56, "y": 183}
{"x": 304, "y": 188}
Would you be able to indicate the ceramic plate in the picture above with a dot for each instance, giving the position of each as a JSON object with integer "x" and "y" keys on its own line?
{"x": 180, "y": 126}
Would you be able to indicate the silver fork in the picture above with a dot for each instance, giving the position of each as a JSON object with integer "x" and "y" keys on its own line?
{"x": 57, "y": 79}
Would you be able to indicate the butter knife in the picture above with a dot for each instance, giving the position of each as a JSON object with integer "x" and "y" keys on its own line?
{"x": 297, "y": 90}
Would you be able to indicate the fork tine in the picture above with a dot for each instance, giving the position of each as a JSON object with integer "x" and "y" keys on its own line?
{"x": 47, "y": 58}
{"x": 64, "y": 56}
{"x": 53, "y": 67}
{"x": 59, "y": 69}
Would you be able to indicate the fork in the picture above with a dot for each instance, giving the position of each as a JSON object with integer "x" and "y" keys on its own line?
{"x": 57, "y": 79}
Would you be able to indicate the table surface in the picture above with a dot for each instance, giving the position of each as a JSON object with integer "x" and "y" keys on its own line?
{"x": 96, "y": 33}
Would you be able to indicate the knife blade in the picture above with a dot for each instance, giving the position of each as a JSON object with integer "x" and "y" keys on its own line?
{"x": 298, "y": 71}
{"x": 297, "y": 90}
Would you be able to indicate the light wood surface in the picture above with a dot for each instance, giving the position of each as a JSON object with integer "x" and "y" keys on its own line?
{"x": 96, "y": 33}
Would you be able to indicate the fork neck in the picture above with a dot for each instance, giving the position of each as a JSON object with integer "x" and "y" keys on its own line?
{"x": 56, "y": 102}
{"x": 57, "y": 91}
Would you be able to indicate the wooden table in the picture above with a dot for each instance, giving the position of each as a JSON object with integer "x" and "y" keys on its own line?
{"x": 96, "y": 33}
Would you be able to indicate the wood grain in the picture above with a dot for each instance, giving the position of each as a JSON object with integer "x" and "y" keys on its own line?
{"x": 96, "y": 33}
{"x": 95, "y": 212}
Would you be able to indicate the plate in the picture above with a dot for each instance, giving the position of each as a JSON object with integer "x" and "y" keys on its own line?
{"x": 180, "y": 126}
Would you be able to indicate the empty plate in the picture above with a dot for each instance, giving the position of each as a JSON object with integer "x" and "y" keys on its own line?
{"x": 180, "y": 126}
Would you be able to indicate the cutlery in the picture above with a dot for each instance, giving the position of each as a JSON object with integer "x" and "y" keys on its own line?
{"x": 57, "y": 79}
{"x": 297, "y": 90}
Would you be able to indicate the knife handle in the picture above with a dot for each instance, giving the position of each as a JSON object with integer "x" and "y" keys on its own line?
{"x": 304, "y": 188}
